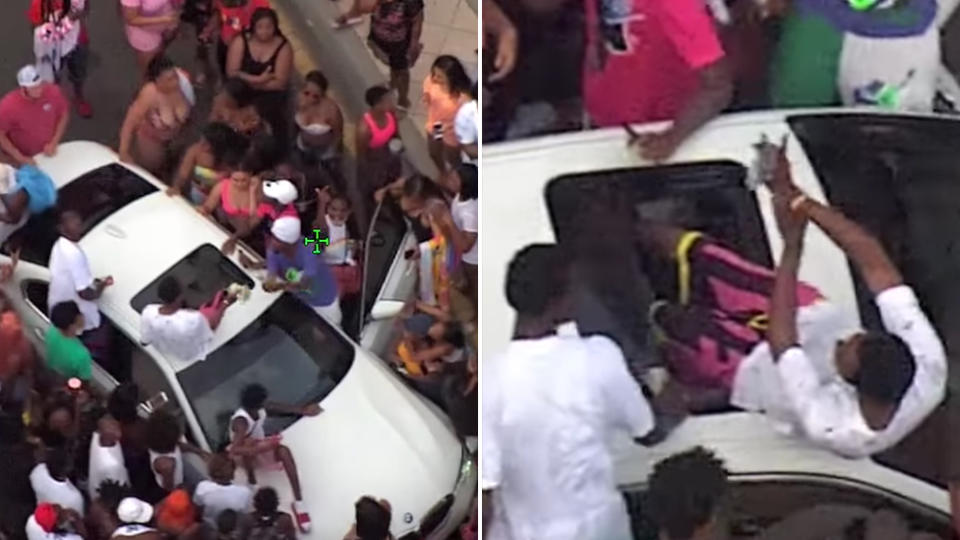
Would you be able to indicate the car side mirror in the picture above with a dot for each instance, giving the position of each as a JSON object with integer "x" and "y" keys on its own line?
{"x": 386, "y": 309}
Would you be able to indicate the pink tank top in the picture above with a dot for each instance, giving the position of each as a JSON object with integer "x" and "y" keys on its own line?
{"x": 227, "y": 204}
{"x": 380, "y": 136}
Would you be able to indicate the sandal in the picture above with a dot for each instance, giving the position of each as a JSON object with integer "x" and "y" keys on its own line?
{"x": 300, "y": 516}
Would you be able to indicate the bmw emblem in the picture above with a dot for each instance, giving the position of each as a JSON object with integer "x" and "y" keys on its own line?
{"x": 408, "y": 518}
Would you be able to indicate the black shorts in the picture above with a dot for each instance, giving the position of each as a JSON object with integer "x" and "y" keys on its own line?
{"x": 394, "y": 55}
{"x": 76, "y": 63}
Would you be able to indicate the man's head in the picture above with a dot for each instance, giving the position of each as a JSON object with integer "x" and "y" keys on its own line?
{"x": 163, "y": 432}
{"x": 58, "y": 463}
{"x": 169, "y": 291}
{"x": 537, "y": 281}
{"x": 67, "y": 318}
{"x": 71, "y": 225}
{"x": 265, "y": 502}
{"x": 687, "y": 493}
{"x": 253, "y": 396}
{"x": 373, "y": 519}
{"x": 221, "y": 469}
{"x": 879, "y": 364}
{"x": 379, "y": 98}
{"x": 110, "y": 493}
{"x": 286, "y": 234}
{"x": 30, "y": 82}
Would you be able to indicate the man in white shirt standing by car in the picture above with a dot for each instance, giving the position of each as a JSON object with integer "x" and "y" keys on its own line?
{"x": 551, "y": 402}
{"x": 71, "y": 279}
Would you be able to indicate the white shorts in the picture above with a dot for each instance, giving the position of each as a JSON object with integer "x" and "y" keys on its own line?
{"x": 331, "y": 312}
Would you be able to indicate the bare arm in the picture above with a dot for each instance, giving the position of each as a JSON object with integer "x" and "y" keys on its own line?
{"x": 132, "y": 17}
{"x": 138, "y": 109}
{"x": 281, "y": 75}
{"x": 415, "y": 31}
{"x": 16, "y": 204}
{"x": 362, "y": 137}
{"x": 860, "y": 246}
{"x": 359, "y": 8}
{"x": 498, "y": 25}
{"x": 61, "y": 128}
{"x": 782, "y": 333}
{"x": 185, "y": 171}
{"x": 213, "y": 200}
{"x": 13, "y": 152}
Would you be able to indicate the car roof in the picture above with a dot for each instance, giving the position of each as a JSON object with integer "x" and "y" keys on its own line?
{"x": 157, "y": 231}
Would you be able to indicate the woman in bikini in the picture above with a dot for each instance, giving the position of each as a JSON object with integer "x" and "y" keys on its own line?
{"x": 445, "y": 90}
{"x": 233, "y": 201}
{"x": 233, "y": 106}
{"x": 263, "y": 59}
{"x": 155, "y": 118}
{"x": 320, "y": 129}
{"x": 218, "y": 152}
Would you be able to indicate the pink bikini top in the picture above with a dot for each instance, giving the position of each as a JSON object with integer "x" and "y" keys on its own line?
{"x": 380, "y": 136}
{"x": 227, "y": 204}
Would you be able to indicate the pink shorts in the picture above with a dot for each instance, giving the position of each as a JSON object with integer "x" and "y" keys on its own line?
{"x": 266, "y": 457}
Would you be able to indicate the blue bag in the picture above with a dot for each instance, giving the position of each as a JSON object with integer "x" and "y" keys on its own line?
{"x": 39, "y": 186}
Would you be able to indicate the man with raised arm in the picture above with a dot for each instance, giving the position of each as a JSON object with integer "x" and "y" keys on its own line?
{"x": 887, "y": 381}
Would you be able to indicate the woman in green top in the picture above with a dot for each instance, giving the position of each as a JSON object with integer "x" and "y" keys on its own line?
{"x": 66, "y": 354}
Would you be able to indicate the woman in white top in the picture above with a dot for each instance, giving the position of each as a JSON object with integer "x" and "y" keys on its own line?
{"x": 177, "y": 331}
{"x": 166, "y": 449}
{"x": 51, "y": 483}
{"x": 333, "y": 212}
{"x": 106, "y": 456}
{"x": 463, "y": 183}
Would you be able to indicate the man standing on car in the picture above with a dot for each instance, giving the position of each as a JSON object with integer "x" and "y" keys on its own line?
{"x": 293, "y": 266}
{"x": 33, "y": 118}
{"x": 551, "y": 402}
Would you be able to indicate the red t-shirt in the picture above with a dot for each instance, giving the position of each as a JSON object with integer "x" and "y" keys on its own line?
{"x": 234, "y": 20}
{"x": 35, "y": 15}
{"x": 667, "y": 41}
{"x": 31, "y": 123}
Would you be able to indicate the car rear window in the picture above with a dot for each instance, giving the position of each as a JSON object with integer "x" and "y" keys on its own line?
{"x": 95, "y": 195}
{"x": 201, "y": 274}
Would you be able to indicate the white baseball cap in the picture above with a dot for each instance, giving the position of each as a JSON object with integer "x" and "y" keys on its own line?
{"x": 282, "y": 191}
{"x": 133, "y": 510}
{"x": 28, "y": 77}
{"x": 287, "y": 230}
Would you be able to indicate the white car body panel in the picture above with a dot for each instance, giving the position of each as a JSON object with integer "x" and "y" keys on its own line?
{"x": 376, "y": 435}
{"x": 515, "y": 178}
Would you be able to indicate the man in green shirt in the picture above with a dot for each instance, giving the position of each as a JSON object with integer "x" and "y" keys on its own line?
{"x": 66, "y": 354}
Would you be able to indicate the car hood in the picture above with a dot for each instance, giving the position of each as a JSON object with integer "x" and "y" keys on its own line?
{"x": 375, "y": 437}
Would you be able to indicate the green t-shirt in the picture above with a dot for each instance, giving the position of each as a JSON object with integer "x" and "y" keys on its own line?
{"x": 806, "y": 62}
{"x": 67, "y": 355}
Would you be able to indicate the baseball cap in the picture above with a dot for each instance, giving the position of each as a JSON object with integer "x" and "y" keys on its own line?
{"x": 46, "y": 517}
{"x": 282, "y": 191}
{"x": 133, "y": 510}
{"x": 286, "y": 229}
{"x": 28, "y": 77}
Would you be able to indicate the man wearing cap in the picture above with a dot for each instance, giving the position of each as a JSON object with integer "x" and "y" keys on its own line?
{"x": 33, "y": 118}
{"x": 134, "y": 516}
{"x": 278, "y": 198}
{"x": 293, "y": 266}
{"x": 51, "y": 521}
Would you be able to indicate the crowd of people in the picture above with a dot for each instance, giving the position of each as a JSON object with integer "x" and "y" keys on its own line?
{"x": 270, "y": 166}
{"x": 558, "y": 65}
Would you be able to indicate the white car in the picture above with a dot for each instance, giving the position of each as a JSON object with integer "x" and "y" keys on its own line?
{"x": 895, "y": 174}
{"x": 375, "y": 437}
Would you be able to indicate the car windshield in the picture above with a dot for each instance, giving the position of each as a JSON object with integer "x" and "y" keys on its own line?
{"x": 202, "y": 273}
{"x": 288, "y": 349}
{"x": 95, "y": 196}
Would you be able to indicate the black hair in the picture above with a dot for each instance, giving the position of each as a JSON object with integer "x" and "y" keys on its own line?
{"x": 318, "y": 78}
{"x": 474, "y": 92}
{"x": 340, "y": 196}
{"x": 239, "y": 90}
{"x": 58, "y": 462}
{"x": 537, "y": 276}
{"x": 375, "y": 94}
{"x": 221, "y": 138}
{"x": 163, "y": 432}
{"x": 457, "y": 77}
{"x": 11, "y": 428}
{"x": 265, "y": 502}
{"x": 453, "y": 334}
{"x": 686, "y": 490}
{"x": 48, "y": 8}
{"x": 64, "y": 314}
{"x": 887, "y": 367}
{"x": 169, "y": 289}
{"x": 123, "y": 402}
{"x": 469, "y": 181}
{"x": 111, "y": 492}
{"x": 158, "y": 66}
{"x": 265, "y": 13}
{"x": 421, "y": 186}
{"x": 227, "y": 521}
{"x": 373, "y": 520}
{"x": 233, "y": 156}
{"x": 253, "y": 396}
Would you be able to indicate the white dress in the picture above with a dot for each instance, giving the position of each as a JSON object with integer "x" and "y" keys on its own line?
{"x": 177, "y": 471}
{"x": 106, "y": 463}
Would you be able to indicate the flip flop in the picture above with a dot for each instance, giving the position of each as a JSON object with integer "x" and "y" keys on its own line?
{"x": 300, "y": 516}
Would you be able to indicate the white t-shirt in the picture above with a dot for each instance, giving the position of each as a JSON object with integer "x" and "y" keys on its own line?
{"x": 550, "y": 408}
{"x": 70, "y": 274}
{"x": 35, "y": 532}
{"x": 182, "y": 335}
{"x": 826, "y": 410}
{"x": 465, "y": 127}
{"x": 465, "y": 217}
{"x": 49, "y": 490}
{"x": 215, "y": 498}
{"x": 106, "y": 463}
{"x": 336, "y": 252}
